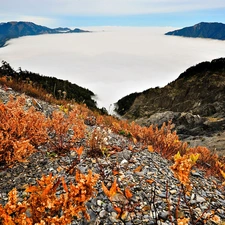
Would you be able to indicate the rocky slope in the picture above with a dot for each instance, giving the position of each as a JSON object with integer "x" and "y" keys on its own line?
{"x": 195, "y": 102}
{"x": 202, "y": 30}
{"x": 148, "y": 175}
{"x": 11, "y": 30}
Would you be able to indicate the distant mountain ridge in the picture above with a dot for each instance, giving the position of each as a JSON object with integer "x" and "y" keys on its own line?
{"x": 13, "y": 29}
{"x": 194, "y": 102}
{"x": 202, "y": 30}
{"x": 200, "y": 90}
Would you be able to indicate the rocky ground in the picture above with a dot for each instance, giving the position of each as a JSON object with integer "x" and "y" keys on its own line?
{"x": 193, "y": 129}
{"x": 148, "y": 175}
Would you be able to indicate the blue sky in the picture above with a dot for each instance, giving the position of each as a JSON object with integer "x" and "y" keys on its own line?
{"x": 81, "y": 13}
{"x": 175, "y": 19}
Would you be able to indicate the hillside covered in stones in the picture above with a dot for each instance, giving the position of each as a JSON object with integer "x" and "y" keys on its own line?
{"x": 65, "y": 164}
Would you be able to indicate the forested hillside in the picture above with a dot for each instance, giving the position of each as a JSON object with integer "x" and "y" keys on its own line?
{"x": 46, "y": 87}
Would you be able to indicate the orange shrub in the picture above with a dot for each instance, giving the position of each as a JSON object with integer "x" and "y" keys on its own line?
{"x": 182, "y": 168}
{"x": 163, "y": 140}
{"x": 44, "y": 206}
{"x": 65, "y": 130}
{"x": 208, "y": 161}
{"x": 20, "y": 131}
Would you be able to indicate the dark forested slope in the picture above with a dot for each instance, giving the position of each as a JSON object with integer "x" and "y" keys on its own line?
{"x": 200, "y": 90}
{"x": 56, "y": 87}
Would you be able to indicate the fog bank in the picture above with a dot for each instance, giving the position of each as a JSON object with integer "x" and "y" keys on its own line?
{"x": 112, "y": 61}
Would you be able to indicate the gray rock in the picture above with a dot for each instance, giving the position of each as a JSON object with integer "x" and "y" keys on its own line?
{"x": 160, "y": 118}
{"x": 103, "y": 213}
{"x": 163, "y": 215}
{"x": 113, "y": 217}
{"x": 126, "y": 154}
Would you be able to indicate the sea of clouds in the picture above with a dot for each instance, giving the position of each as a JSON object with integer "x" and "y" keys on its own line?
{"x": 111, "y": 61}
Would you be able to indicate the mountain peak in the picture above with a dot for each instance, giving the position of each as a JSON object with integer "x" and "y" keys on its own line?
{"x": 14, "y": 29}
{"x": 213, "y": 30}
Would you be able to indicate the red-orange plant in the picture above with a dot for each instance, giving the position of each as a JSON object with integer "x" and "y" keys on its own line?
{"x": 65, "y": 130}
{"x": 119, "y": 199}
{"x": 20, "y": 131}
{"x": 182, "y": 168}
{"x": 208, "y": 161}
{"x": 163, "y": 140}
{"x": 44, "y": 206}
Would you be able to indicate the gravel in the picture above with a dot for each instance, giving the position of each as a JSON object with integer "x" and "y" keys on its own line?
{"x": 153, "y": 185}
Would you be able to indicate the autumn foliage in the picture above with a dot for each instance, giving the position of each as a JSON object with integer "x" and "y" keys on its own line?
{"x": 163, "y": 140}
{"x": 44, "y": 206}
{"x": 119, "y": 199}
{"x": 28, "y": 88}
{"x": 23, "y": 129}
{"x": 166, "y": 142}
{"x": 65, "y": 130}
{"x": 182, "y": 168}
{"x": 20, "y": 131}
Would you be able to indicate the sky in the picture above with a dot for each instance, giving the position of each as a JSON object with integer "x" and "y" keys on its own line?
{"x": 82, "y": 13}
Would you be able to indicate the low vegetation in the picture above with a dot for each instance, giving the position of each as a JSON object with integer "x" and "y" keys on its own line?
{"x": 23, "y": 129}
{"x": 43, "y": 206}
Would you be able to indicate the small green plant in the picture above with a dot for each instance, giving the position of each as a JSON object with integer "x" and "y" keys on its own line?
{"x": 125, "y": 133}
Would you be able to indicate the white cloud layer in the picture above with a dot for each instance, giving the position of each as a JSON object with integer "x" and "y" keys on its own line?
{"x": 112, "y": 63}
